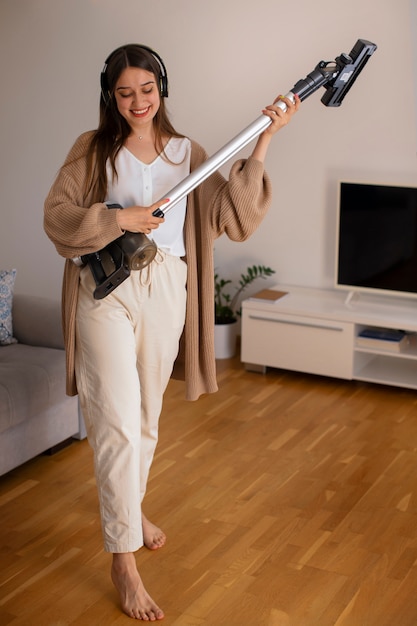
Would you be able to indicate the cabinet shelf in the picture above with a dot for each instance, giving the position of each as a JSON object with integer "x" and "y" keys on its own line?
{"x": 409, "y": 351}
{"x": 382, "y": 370}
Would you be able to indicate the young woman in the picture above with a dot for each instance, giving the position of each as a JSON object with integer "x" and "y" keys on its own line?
{"x": 121, "y": 349}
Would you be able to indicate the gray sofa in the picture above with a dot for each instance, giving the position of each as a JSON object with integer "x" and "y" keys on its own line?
{"x": 35, "y": 413}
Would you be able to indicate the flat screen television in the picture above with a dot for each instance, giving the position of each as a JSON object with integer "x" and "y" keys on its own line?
{"x": 376, "y": 240}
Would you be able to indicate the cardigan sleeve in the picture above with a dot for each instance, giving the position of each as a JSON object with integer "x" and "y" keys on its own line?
{"x": 76, "y": 224}
{"x": 244, "y": 201}
{"x": 236, "y": 206}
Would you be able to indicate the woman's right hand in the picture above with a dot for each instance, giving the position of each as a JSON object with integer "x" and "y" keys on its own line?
{"x": 139, "y": 219}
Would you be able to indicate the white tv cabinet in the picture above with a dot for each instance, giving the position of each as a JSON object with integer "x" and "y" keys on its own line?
{"x": 315, "y": 330}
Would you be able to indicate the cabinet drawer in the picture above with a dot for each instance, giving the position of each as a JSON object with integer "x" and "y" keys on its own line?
{"x": 299, "y": 343}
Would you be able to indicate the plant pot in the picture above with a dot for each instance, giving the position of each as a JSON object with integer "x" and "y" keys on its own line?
{"x": 225, "y": 336}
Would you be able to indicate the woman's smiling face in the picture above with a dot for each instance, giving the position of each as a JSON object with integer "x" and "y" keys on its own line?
{"x": 137, "y": 96}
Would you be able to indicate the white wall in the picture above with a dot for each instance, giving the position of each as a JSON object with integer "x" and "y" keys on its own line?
{"x": 225, "y": 61}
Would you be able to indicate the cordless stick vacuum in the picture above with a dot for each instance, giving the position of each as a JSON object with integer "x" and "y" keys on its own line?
{"x": 134, "y": 251}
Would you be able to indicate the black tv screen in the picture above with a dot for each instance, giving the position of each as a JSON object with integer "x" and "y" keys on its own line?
{"x": 377, "y": 238}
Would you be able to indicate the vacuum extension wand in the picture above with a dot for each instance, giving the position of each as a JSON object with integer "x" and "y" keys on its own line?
{"x": 337, "y": 77}
{"x": 134, "y": 251}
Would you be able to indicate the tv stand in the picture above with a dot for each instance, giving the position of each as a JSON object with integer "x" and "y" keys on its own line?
{"x": 315, "y": 331}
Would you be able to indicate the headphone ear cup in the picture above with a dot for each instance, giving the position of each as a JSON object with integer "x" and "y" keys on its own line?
{"x": 105, "y": 93}
{"x": 163, "y": 86}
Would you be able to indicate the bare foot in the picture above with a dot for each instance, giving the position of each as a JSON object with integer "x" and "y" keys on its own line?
{"x": 153, "y": 537}
{"x": 136, "y": 602}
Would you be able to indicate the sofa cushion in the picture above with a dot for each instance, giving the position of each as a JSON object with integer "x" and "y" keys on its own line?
{"x": 7, "y": 278}
{"x": 31, "y": 380}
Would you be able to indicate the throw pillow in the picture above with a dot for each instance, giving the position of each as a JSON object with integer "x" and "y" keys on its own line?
{"x": 7, "y": 278}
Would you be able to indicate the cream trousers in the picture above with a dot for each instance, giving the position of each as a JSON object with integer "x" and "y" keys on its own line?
{"x": 126, "y": 345}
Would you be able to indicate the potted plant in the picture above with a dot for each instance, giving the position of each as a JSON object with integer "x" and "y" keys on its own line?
{"x": 227, "y": 308}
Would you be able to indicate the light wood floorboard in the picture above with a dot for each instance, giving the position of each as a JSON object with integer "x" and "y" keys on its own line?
{"x": 287, "y": 499}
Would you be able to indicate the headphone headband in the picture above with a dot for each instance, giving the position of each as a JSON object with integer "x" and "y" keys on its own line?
{"x": 163, "y": 77}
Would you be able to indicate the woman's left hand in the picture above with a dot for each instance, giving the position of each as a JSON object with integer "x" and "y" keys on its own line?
{"x": 279, "y": 119}
{"x": 278, "y": 116}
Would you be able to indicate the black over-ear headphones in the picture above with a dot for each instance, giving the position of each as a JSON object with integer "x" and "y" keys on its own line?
{"x": 163, "y": 77}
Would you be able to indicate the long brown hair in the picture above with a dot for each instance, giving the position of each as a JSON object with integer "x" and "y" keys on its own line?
{"x": 113, "y": 129}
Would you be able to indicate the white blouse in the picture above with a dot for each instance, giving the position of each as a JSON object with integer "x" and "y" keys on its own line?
{"x": 142, "y": 184}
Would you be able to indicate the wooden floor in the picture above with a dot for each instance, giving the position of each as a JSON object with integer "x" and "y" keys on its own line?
{"x": 288, "y": 500}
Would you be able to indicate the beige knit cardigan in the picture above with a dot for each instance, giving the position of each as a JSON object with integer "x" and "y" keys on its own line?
{"x": 79, "y": 225}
